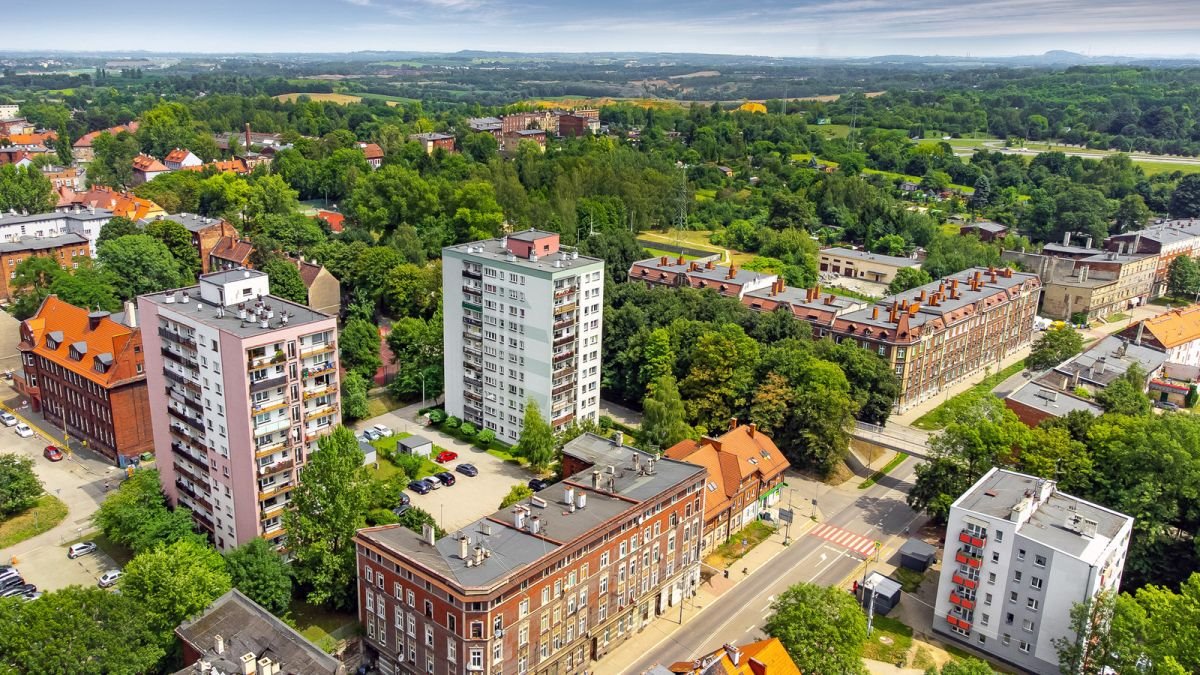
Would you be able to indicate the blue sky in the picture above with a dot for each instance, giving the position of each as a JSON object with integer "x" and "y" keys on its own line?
{"x": 829, "y": 28}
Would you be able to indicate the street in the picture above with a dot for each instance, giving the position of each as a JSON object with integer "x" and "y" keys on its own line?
{"x": 736, "y": 617}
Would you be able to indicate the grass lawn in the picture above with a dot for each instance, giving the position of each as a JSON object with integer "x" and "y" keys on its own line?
{"x": 889, "y": 641}
{"x": 1116, "y": 318}
{"x": 1152, "y": 167}
{"x": 387, "y": 469}
{"x": 378, "y": 404}
{"x": 732, "y": 549}
{"x": 847, "y": 293}
{"x": 910, "y": 580}
{"x": 322, "y": 626}
{"x": 506, "y": 455}
{"x": 1167, "y": 301}
{"x": 658, "y": 253}
{"x": 41, "y": 517}
{"x": 831, "y": 130}
{"x": 939, "y": 416}
{"x": 336, "y": 98}
{"x": 895, "y": 462}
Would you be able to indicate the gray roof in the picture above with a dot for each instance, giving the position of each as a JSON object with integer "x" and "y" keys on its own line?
{"x": 918, "y": 549}
{"x": 83, "y": 215}
{"x": 1109, "y": 358}
{"x": 1000, "y": 490}
{"x": 431, "y": 136}
{"x": 1069, "y": 250}
{"x": 798, "y": 297}
{"x": 1112, "y": 256}
{"x": 226, "y": 319}
{"x": 413, "y": 442}
{"x": 1181, "y": 371}
{"x": 893, "y": 261}
{"x": 1165, "y": 232}
{"x": 717, "y": 273}
{"x": 1052, "y": 401}
{"x": 531, "y": 234}
{"x": 246, "y": 627}
{"x": 42, "y": 243}
{"x": 928, "y": 312}
{"x": 986, "y": 226}
{"x": 885, "y": 586}
{"x": 510, "y": 550}
{"x": 192, "y": 221}
{"x": 494, "y": 250}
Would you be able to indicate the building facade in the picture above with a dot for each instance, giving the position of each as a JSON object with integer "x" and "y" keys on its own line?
{"x": 324, "y": 289}
{"x": 85, "y": 372}
{"x": 63, "y": 249}
{"x": 77, "y": 220}
{"x": 1166, "y": 240}
{"x": 549, "y": 585}
{"x": 433, "y": 140}
{"x": 1176, "y": 333}
{"x": 1099, "y": 285}
{"x": 522, "y": 322}
{"x": 731, "y": 281}
{"x": 243, "y": 384}
{"x": 1019, "y": 555}
{"x": 874, "y": 267}
{"x": 206, "y": 233}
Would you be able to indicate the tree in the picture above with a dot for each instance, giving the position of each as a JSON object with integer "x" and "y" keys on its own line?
{"x": 354, "y": 396}
{"x": 981, "y": 198}
{"x": 224, "y": 195}
{"x": 968, "y": 666}
{"x": 1055, "y": 345}
{"x": 1132, "y": 213}
{"x": 19, "y": 485}
{"x": 112, "y": 162}
{"x": 136, "y": 515}
{"x": 262, "y": 574}
{"x": 906, "y": 278}
{"x": 480, "y": 146}
{"x": 1126, "y": 394}
{"x": 515, "y": 494}
{"x": 143, "y": 264}
{"x": 360, "y": 347}
{"x": 285, "y": 279}
{"x": 330, "y": 504}
{"x": 117, "y": 226}
{"x": 416, "y": 347}
{"x": 178, "y": 241}
{"x": 822, "y": 413}
{"x": 269, "y": 195}
{"x": 890, "y": 244}
{"x": 413, "y": 290}
{"x": 1183, "y": 276}
{"x": 721, "y": 374}
{"x": 165, "y": 127}
{"x": 536, "y": 442}
{"x": 24, "y": 189}
{"x": 822, "y": 629}
{"x": 417, "y": 518}
{"x": 77, "y": 630}
{"x": 772, "y": 399}
{"x": 663, "y": 424}
{"x": 174, "y": 582}
{"x": 87, "y": 286}
{"x": 1185, "y": 200}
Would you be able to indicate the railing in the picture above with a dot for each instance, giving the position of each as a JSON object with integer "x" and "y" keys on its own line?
{"x": 473, "y": 396}
{"x": 319, "y": 349}
{"x": 967, "y": 538}
{"x": 467, "y": 272}
{"x": 268, "y": 383}
{"x": 560, "y": 341}
{"x": 559, "y": 356}
{"x": 186, "y": 382}
{"x": 474, "y": 306}
{"x": 272, "y": 490}
{"x": 564, "y": 371}
{"x": 473, "y": 380}
{"x": 313, "y": 393}
{"x": 955, "y": 621}
{"x": 193, "y": 495}
{"x": 272, "y": 426}
{"x": 268, "y": 510}
{"x": 559, "y": 325}
{"x": 965, "y": 582}
{"x": 179, "y": 449}
{"x": 270, "y": 406}
{"x": 176, "y": 337}
{"x": 270, "y": 449}
{"x": 468, "y": 288}
{"x": 473, "y": 321}
{"x": 195, "y": 423}
{"x": 563, "y": 309}
{"x": 959, "y": 600}
{"x": 562, "y": 388}
{"x": 563, "y": 420}
{"x": 326, "y": 409}
{"x": 181, "y": 359}
{"x": 276, "y": 467}
{"x": 313, "y": 371}
{"x": 191, "y": 476}
{"x": 968, "y": 559}
{"x": 273, "y": 532}
{"x": 203, "y": 520}
{"x": 564, "y": 293}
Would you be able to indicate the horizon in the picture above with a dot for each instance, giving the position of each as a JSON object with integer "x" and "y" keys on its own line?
{"x": 768, "y": 28}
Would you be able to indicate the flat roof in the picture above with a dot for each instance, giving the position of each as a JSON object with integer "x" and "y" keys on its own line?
{"x": 1070, "y": 249}
{"x": 1113, "y": 256}
{"x": 891, "y": 260}
{"x": 414, "y": 441}
{"x": 1000, "y": 490}
{"x": 192, "y": 221}
{"x": 1051, "y": 401}
{"x": 81, "y": 215}
{"x": 717, "y": 273}
{"x": 510, "y": 550}
{"x": 1109, "y": 358}
{"x": 987, "y": 226}
{"x": 798, "y": 297}
{"x": 43, "y": 243}
{"x": 226, "y": 319}
{"x": 948, "y": 305}
{"x": 492, "y": 250}
{"x": 532, "y": 234}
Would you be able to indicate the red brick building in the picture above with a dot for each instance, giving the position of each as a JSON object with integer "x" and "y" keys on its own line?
{"x": 63, "y": 249}
{"x": 432, "y": 141}
{"x": 728, "y": 281}
{"x": 572, "y": 125}
{"x": 548, "y": 585}
{"x": 206, "y": 233}
{"x": 89, "y": 365}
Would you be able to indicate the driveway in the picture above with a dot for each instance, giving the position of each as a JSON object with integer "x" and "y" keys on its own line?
{"x": 49, "y": 569}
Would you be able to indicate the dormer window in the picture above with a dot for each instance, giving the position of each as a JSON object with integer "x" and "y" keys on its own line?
{"x": 78, "y": 350}
{"x": 54, "y": 339}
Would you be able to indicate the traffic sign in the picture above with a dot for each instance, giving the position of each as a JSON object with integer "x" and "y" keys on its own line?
{"x": 785, "y": 515}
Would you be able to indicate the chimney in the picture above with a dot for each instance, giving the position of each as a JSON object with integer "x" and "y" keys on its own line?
{"x": 464, "y": 547}
{"x": 569, "y": 491}
{"x": 519, "y": 517}
{"x": 618, "y": 438}
{"x": 708, "y": 264}
{"x": 247, "y": 148}
{"x": 265, "y": 667}
{"x": 921, "y": 297}
{"x": 595, "y": 479}
{"x": 680, "y": 261}
{"x": 1138, "y": 340}
{"x": 954, "y": 289}
{"x": 131, "y": 314}
{"x": 752, "y": 427}
{"x": 479, "y": 553}
{"x": 581, "y": 499}
{"x": 428, "y": 534}
{"x": 637, "y": 463}
{"x": 1066, "y": 239}
{"x": 1087, "y": 243}
{"x": 248, "y": 663}
{"x": 1083, "y": 274}
{"x": 734, "y": 654}
{"x": 732, "y": 272}
{"x": 535, "y": 525}
{"x": 1137, "y": 242}
{"x": 218, "y": 644}
{"x": 874, "y": 313}
{"x": 662, "y": 262}
{"x": 732, "y": 423}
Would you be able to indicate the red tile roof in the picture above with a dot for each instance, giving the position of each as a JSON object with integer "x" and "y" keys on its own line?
{"x": 176, "y": 155}
{"x": 85, "y": 141}
{"x": 124, "y": 204}
{"x": 765, "y": 657}
{"x": 147, "y": 164}
{"x": 234, "y": 250}
{"x": 730, "y": 459}
{"x": 71, "y": 324}
{"x": 371, "y": 150}
{"x": 236, "y": 165}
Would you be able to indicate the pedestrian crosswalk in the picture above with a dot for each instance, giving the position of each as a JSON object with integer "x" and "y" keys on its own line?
{"x": 845, "y": 538}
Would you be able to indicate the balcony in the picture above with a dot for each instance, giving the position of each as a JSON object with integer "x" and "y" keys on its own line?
{"x": 473, "y": 306}
{"x": 960, "y": 623}
{"x": 474, "y": 290}
{"x": 277, "y": 467}
{"x": 203, "y": 520}
{"x": 177, "y": 337}
{"x": 559, "y": 325}
{"x": 562, "y": 389}
{"x": 273, "y": 531}
{"x": 478, "y": 398}
{"x": 269, "y": 406}
{"x": 961, "y": 601}
{"x": 314, "y": 393}
{"x": 565, "y": 419}
{"x": 559, "y": 295}
{"x": 317, "y": 369}
{"x": 317, "y": 349}
{"x": 191, "y": 421}
{"x": 268, "y": 383}
{"x": 180, "y": 379}
{"x": 275, "y": 508}
{"x": 195, "y": 497}
{"x": 189, "y": 402}
{"x": 327, "y": 409}
{"x": 564, "y": 371}
{"x": 967, "y": 538}
{"x": 475, "y": 381}
{"x": 472, "y": 274}
{"x": 564, "y": 308}
{"x": 473, "y": 321}
{"x": 563, "y": 355}
{"x": 968, "y": 559}
{"x": 277, "y": 424}
{"x": 181, "y": 450}
{"x": 564, "y": 340}
{"x": 473, "y": 351}
{"x": 270, "y": 449}
{"x": 965, "y": 582}
{"x": 277, "y": 489}
{"x": 196, "y": 479}
{"x": 313, "y": 433}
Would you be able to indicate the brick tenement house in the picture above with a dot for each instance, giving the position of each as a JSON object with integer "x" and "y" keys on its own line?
{"x": 89, "y": 365}
{"x": 728, "y": 281}
{"x": 206, "y": 233}
{"x": 745, "y": 477}
{"x": 548, "y": 585}
{"x": 63, "y": 249}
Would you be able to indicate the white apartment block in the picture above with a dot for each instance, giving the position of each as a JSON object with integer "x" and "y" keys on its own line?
{"x": 242, "y": 384}
{"x": 1019, "y": 554}
{"x": 523, "y": 320}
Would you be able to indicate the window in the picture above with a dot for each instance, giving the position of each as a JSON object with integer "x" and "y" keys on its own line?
{"x": 1035, "y": 583}
{"x": 1032, "y": 604}
{"x": 523, "y": 609}
{"x": 1006, "y": 638}
{"x": 1020, "y": 554}
{"x": 995, "y": 556}
{"x": 987, "y": 598}
{"x": 1017, "y": 577}
{"x": 428, "y": 635}
{"x": 498, "y": 626}
{"x": 983, "y": 620}
{"x": 1012, "y": 596}
{"x": 981, "y": 638}
{"x": 451, "y": 650}
{"x": 477, "y": 630}
{"x": 1027, "y": 625}
{"x": 999, "y": 536}
{"x": 1039, "y": 561}
{"x": 1024, "y": 646}
{"x": 476, "y": 661}
{"x": 991, "y": 577}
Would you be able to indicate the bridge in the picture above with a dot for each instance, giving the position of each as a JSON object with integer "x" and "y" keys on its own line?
{"x": 899, "y": 438}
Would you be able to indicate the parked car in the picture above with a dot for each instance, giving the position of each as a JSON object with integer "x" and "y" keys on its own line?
{"x": 1167, "y": 405}
{"x": 22, "y": 589}
{"x": 446, "y": 456}
{"x": 537, "y": 484}
{"x": 109, "y": 578}
{"x": 24, "y": 431}
{"x": 434, "y": 483}
{"x": 446, "y": 477}
{"x": 11, "y": 580}
{"x": 467, "y": 470}
{"x": 31, "y": 596}
{"x": 369, "y": 435}
{"x": 53, "y": 453}
{"x": 419, "y": 486}
{"x": 82, "y": 548}
{"x": 382, "y": 430}
{"x": 8, "y": 419}
{"x": 405, "y": 500}
{"x": 401, "y": 510}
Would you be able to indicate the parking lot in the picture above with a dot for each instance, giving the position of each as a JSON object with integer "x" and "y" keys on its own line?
{"x": 49, "y": 569}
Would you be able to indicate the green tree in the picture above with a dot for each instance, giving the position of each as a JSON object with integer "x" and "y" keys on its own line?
{"x": 967, "y": 666}
{"x": 112, "y": 162}
{"x": 165, "y": 127}
{"x": 822, "y": 413}
{"x": 1185, "y": 200}
{"x": 413, "y": 290}
{"x": 262, "y": 574}
{"x": 536, "y": 442}
{"x": 360, "y": 347}
{"x": 822, "y": 629}
{"x": 136, "y": 515}
{"x": 663, "y": 424}
{"x": 1132, "y": 214}
{"x": 906, "y": 278}
{"x": 479, "y": 146}
{"x": 1126, "y": 394}
{"x": 417, "y": 518}
{"x": 174, "y": 582}
{"x": 270, "y": 195}
{"x": 981, "y": 198}
{"x": 515, "y": 494}
{"x": 329, "y": 506}
{"x": 87, "y": 287}
{"x": 285, "y": 279}
{"x": 19, "y": 485}
{"x": 890, "y": 244}
{"x": 143, "y": 264}
{"x": 772, "y": 400}
{"x": 721, "y": 374}
{"x": 1053, "y": 346}
{"x": 176, "y": 192}
{"x": 25, "y": 190}
{"x": 178, "y": 240}
{"x": 354, "y": 396}
{"x": 416, "y": 346}
{"x": 77, "y": 630}
{"x": 224, "y": 195}
{"x": 117, "y": 226}
{"x": 1183, "y": 277}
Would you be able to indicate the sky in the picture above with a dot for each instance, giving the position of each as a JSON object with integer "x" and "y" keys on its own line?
{"x": 823, "y": 28}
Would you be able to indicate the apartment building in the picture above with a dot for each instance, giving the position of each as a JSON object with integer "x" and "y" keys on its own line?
{"x": 523, "y": 320}
{"x": 1019, "y": 555}
{"x": 730, "y": 281}
{"x": 242, "y": 385}
{"x": 874, "y": 267}
{"x": 549, "y": 585}
{"x": 1166, "y": 240}
{"x": 207, "y": 233}
{"x": 1099, "y": 285}
{"x": 77, "y": 220}
{"x": 1175, "y": 333}
{"x": 65, "y": 249}
{"x": 84, "y": 371}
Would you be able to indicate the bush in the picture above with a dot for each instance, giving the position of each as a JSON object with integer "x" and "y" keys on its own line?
{"x": 485, "y": 437}
{"x": 606, "y": 422}
{"x": 409, "y": 464}
{"x": 381, "y": 517}
{"x": 468, "y": 429}
{"x": 452, "y": 422}
{"x": 437, "y": 416}
{"x": 516, "y": 494}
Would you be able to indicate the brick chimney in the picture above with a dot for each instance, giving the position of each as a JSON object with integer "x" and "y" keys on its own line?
{"x": 733, "y": 423}
{"x": 247, "y": 137}
{"x": 751, "y": 428}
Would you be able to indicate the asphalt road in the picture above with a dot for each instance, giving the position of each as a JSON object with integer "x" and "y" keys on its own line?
{"x": 879, "y": 512}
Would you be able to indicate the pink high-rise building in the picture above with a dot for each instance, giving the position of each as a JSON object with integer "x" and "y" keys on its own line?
{"x": 242, "y": 383}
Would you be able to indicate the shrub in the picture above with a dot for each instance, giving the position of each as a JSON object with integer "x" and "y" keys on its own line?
{"x": 606, "y": 422}
{"x": 381, "y": 517}
{"x": 485, "y": 437}
{"x": 468, "y": 429}
{"x": 437, "y": 416}
{"x": 409, "y": 464}
{"x": 452, "y": 422}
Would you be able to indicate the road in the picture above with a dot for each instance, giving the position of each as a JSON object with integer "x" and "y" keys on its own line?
{"x": 879, "y": 512}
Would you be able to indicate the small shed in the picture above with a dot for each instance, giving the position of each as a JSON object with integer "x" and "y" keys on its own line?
{"x": 415, "y": 445}
{"x": 917, "y": 555}
{"x": 370, "y": 456}
{"x": 887, "y": 592}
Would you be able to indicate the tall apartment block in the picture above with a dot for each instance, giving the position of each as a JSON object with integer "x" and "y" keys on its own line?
{"x": 242, "y": 384}
{"x": 523, "y": 318}
{"x": 548, "y": 585}
{"x": 1019, "y": 555}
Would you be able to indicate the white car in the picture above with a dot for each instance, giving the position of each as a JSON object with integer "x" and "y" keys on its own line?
{"x": 382, "y": 430}
{"x": 24, "y": 431}
{"x": 8, "y": 419}
{"x": 433, "y": 482}
{"x": 109, "y": 578}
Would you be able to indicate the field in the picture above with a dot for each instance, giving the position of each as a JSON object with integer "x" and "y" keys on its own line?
{"x": 1149, "y": 163}
{"x": 697, "y": 239}
{"x": 48, "y": 512}
{"x": 335, "y": 98}
{"x": 577, "y": 102}
{"x": 391, "y": 100}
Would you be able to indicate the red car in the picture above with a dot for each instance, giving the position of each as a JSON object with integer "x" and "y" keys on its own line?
{"x": 446, "y": 456}
{"x": 53, "y": 453}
